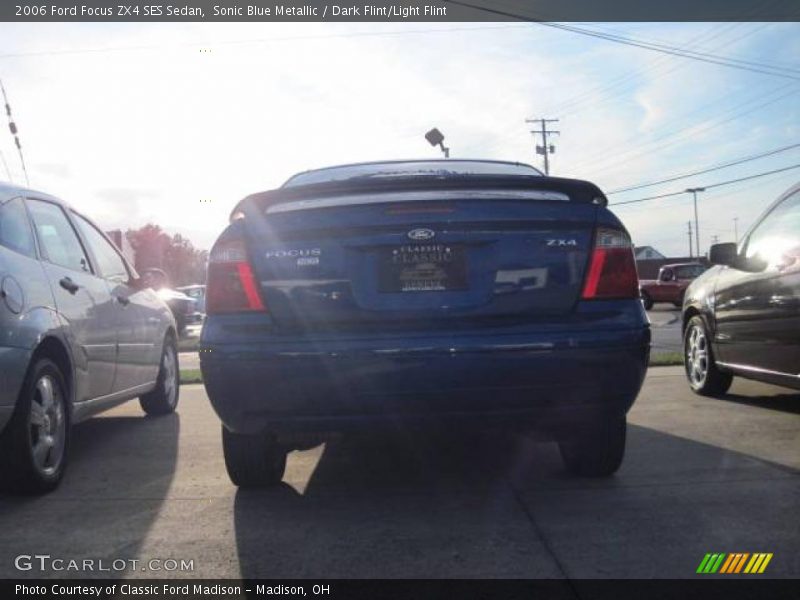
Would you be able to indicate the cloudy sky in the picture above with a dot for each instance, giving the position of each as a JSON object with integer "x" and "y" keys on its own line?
{"x": 173, "y": 123}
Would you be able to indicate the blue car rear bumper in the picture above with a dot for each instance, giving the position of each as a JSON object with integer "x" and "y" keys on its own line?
{"x": 535, "y": 380}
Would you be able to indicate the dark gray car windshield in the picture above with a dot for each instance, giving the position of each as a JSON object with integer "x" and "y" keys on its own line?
{"x": 422, "y": 168}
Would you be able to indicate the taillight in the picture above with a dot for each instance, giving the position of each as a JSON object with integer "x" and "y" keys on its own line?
{"x": 231, "y": 285}
{"x": 612, "y": 269}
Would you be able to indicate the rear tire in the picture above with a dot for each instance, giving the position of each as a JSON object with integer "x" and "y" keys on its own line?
{"x": 253, "y": 461}
{"x": 164, "y": 398}
{"x": 647, "y": 301}
{"x": 597, "y": 452}
{"x": 35, "y": 442}
{"x": 698, "y": 361}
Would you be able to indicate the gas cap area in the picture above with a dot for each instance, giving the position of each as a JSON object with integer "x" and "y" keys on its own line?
{"x": 11, "y": 293}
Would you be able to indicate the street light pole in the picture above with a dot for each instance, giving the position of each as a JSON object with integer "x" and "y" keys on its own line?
{"x": 693, "y": 192}
{"x": 436, "y": 138}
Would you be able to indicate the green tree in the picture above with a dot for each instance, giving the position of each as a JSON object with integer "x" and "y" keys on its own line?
{"x": 182, "y": 262}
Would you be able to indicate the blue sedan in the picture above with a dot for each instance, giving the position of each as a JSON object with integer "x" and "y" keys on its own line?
{"x": 394, "y": 294}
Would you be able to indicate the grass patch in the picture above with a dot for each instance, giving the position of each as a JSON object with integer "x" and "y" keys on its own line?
{"x": 191, "y": 376}
{"x": 666, "y": 359}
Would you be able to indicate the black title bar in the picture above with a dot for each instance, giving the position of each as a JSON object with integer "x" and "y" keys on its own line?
{"x": 398, "y": 11}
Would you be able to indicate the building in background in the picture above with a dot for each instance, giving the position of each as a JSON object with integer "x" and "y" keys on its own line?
{"x": 647, "y": 253}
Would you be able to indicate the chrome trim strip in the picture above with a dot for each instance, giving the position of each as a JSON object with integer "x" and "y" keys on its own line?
{"x": 87, "y": 408}
{"x": 755, "y": 369}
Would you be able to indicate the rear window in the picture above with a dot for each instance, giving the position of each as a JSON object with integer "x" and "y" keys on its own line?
{"x": 689, "y": 271}
{"x": 432, "y": 168}
{"x": 15, "y": 230}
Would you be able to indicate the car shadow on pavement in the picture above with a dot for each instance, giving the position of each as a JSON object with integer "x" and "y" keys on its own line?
{"x": 788, "y": 402}
{"x": 119, "y": 474}
{"x": 502, "y": 506}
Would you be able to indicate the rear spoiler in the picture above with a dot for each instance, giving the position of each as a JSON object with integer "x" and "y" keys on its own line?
{"x": 577, "y": 190}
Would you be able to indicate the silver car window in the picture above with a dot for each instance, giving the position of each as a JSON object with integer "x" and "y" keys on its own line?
{"x": 778, "y": 235}
{"x": 108, "y": 260}
{"x": 15, "y": 229}
{"x": 59, "y": 242}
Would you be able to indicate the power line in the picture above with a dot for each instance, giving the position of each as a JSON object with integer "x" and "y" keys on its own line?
{"x": 653, "y": 69}
{"x": 733, "y": 63}
{"x": 690, "y": 131}
{"x": 12, "y": 127}
{"x": 717, "y": 167}
{"x": 753, "y": 66}
{"x": 707, "y": 187}
{"x": 657, "y": 68}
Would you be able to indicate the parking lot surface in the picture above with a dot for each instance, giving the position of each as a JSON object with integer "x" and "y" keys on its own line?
{"x": 700, "y": 476}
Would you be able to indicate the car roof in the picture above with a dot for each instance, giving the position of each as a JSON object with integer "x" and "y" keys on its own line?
{"x": 683, "y": 264}
{"x": 12, "y": 190}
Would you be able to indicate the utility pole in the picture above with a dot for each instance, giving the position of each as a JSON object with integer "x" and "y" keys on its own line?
{"x": 736, "y": 229}
{"x": 714, "y": 239}
{"x": 545, "y": 149}
{"x": 12, "y": 127}
{"x": 693, "y": 192}
{"x": 691, "y": 252}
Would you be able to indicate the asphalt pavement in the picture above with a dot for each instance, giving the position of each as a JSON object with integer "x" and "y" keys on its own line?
{"x": 700, "y": 476}
{"x": 665, "y": 324}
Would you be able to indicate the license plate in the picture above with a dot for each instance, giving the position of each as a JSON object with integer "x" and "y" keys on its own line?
{"x": 422, "y": 268}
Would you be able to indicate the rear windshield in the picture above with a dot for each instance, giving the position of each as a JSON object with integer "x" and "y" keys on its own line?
{"x": 432, "y": 168}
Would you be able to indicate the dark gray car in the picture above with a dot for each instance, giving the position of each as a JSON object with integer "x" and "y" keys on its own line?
{"x": 79, "y": 333}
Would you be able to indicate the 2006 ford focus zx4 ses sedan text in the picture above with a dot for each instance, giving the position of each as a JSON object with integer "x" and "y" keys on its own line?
{"x": 408, "y": 293}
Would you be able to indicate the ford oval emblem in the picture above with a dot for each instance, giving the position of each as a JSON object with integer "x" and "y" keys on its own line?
{"x": 421, "y": 234}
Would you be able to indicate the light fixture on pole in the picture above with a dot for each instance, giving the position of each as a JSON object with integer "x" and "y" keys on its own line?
{"x": 436, "y": 138}
{"x": 693, "y": 192}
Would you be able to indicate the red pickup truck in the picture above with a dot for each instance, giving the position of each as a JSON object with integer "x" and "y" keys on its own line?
{"x": 671, "y": 284}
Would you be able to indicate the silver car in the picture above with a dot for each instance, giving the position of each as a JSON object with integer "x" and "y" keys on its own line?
{"x": 80, "y": 332}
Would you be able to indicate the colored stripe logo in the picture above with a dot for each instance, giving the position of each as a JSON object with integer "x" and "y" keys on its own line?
{"x": 735, "y": 562}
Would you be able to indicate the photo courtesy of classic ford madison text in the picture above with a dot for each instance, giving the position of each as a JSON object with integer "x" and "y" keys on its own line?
{"x": 503, "y": 296}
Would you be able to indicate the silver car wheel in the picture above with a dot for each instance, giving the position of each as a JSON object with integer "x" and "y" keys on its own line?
{"x": 48, "y": 426}
{"x": 697, "y": 355}
{"x": 169, "y": 366}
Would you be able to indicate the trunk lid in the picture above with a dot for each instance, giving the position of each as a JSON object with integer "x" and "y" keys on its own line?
{"x": 420, "y": 259}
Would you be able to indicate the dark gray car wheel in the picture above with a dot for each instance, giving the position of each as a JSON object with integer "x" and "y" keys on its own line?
{"x": 596, "y": 452}
{"x": 253, "y": 460}
{"x": 164, "y": 397}
{"x": 34, "y": 444}
{"x": 698, "y": 360}
{"x": 647, "y": 300}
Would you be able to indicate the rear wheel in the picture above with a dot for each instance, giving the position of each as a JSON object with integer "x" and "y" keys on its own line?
{"x": 33, "y": 446}
{"x": 253, "y": 460}
{"x": 647, "y": 300}
{"x": 698, "y": 360}
{"x": 679, "y": 302}
{"x": 597, "y": 452}
{"x": 164, "y": 398}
